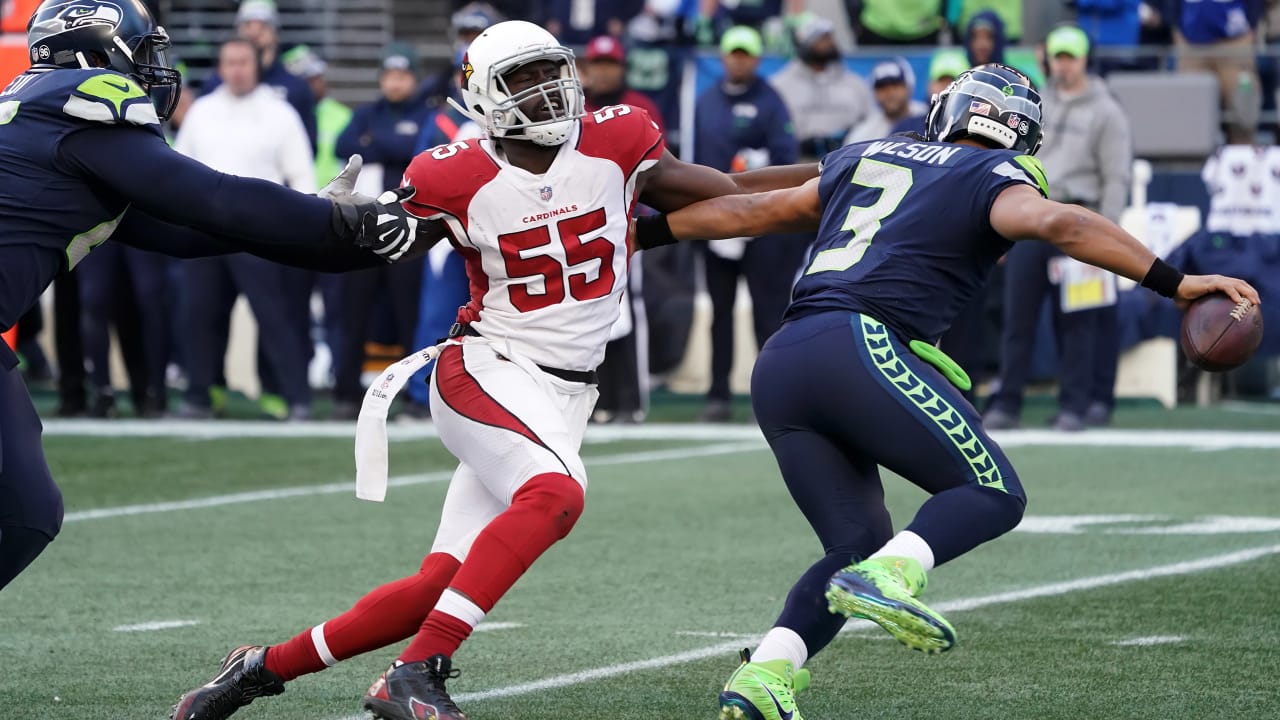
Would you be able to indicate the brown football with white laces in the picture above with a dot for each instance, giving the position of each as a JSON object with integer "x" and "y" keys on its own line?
{"x": 1219, "y": 334}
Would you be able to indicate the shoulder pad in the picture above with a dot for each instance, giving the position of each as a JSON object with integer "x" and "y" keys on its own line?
{"x": 624, "y": 134}
{"x": 112, "y": 98}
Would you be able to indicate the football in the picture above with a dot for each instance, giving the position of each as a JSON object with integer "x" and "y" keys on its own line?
{"x": 1218, "y": 334}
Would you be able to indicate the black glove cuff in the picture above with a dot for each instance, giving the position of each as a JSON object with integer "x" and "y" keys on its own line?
{"x": 345, "y": 221}
{"x": 653, "y": 231}
{"x": 1163, "y": 278}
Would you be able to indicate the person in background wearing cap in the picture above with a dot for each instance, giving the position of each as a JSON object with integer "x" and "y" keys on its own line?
{"x": 945, "y": 66}
{"x": 893, "y": 81}
{"x": 258, "y": 22}
{"x": 1088, "y": 153}
{"x": 464, "y": 25}
{"x": 385, "y": 132}
{"x": 244, "y": 128}
{"x": 824, "y": 97}
{"x": 899, "y": 22}
{"x": 742, "y": 123}
{"x": 605, "y": 80}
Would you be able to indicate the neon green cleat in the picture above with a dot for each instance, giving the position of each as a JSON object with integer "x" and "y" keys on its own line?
{"x": 884, "y": 590}
{"x": 273, "y": 406}
{"x": 763, "y": 691}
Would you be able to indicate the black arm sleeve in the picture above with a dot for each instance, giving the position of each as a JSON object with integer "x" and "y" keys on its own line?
{"x": 240, "y": 212}
{"x": 145, "y": 232}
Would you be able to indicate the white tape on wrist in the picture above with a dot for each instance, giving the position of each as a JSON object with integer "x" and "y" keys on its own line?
{"x": 371, "y": 425}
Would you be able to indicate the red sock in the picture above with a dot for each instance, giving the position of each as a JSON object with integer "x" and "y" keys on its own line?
{"x": 386, "y": 615}
{"x": 542, "y": 511}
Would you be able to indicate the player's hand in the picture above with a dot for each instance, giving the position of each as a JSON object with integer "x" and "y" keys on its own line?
{"x": 1194, "y": 286}
{"x": 342, "y": 188}
{"x": 382, "y": 225}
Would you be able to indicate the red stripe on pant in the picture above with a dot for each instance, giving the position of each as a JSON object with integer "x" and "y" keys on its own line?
{"x": 460, "y": 391}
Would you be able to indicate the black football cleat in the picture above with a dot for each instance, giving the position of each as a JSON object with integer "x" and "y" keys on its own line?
{"x": 242, "y": 677}
{"x": 414, "y": 691}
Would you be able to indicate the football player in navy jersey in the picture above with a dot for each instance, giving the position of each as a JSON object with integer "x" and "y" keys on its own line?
{"x": 83, "y": 160}
{"x": 908, "y": 229}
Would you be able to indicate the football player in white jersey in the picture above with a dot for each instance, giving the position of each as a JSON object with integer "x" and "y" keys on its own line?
{"x": 540, "y": 209}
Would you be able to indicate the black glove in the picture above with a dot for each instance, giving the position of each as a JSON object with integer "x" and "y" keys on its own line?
{"x": 382, "y": 225}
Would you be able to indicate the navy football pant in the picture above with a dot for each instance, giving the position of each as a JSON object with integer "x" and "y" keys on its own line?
{"x": 837, "y": 396}
{"x": 30, "y": 503}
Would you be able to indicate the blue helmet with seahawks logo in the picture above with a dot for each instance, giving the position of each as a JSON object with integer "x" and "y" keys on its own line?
{"x": 116, "y": 34}
{"x": 992, "y": 103}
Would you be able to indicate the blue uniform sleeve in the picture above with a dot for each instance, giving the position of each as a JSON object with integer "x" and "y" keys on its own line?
{"x": 140, "y": 230}
{"x": 169, "y": 186}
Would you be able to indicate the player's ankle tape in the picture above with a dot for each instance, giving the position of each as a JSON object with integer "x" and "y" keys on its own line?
{"x": 1163, "y": 278}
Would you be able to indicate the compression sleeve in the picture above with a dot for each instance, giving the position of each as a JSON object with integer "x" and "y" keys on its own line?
{"x": 171, "y": 187}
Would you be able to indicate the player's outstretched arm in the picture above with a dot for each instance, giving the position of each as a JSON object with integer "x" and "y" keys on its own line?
{"x": 672, "y": 183}
{"x": 796, "y": 209}
{"x": 244, "y": 213}
{"x": 1020, "y": 212}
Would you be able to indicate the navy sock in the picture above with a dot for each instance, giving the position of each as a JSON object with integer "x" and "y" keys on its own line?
{"x": 18, "y": 547}
{"x": 806, "y": 611}
{"x": 958, "y": 520}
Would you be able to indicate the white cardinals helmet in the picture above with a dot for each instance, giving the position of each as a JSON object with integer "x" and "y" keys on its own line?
{"x": 501, "y": 49}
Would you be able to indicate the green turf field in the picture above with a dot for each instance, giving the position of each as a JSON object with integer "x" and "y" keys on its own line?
{"x": 685, "y": 551}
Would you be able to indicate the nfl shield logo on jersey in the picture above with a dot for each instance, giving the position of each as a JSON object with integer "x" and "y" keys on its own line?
{"x": 544, "y": 192}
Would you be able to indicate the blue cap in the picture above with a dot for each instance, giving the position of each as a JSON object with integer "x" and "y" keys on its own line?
{"x": 896, "y": 70}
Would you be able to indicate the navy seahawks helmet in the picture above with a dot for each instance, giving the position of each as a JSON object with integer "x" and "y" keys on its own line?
{"x": 992, "y": 103}
{"x": 117, "y": 34}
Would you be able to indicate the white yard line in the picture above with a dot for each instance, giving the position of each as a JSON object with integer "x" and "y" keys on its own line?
{"x": 402, "y": 481}
{"x": 491, "y": 626}
{"x": 727, "y": 649}
{"x": 1147, "y": 641}
{"x": 224, "y": 429}
{"x": 155, "y": 625}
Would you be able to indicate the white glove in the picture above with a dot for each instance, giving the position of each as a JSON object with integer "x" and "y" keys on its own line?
{"x": 342, "y": 188}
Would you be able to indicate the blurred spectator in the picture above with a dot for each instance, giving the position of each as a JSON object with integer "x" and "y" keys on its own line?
{"x": 386, "y": 133}
{"x": 605, "y": 80}
{"x": 945, "y": 67}
{"x": 742, "y": 123}
{"x": 258, "y": 21}
{"x": 464, "y": 25}
{"x": 244, "y": 128}
{"x": 331, "y": 116}
{"x": 899, "y": 22}
{"x": 1217, "y": 36}
{"x": 984, "y": 39}
{"x": 961, "y": 13}
{"x": 825, "y": 98}
{"x": 125, "y": 286}
{"x": 893, "y": 82}
{"x": 575, "y": 22}
{"x": 1088, "y": 152}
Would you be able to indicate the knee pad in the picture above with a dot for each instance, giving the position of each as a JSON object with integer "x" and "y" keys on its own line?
{"x": 1012, "y": 505}
{"x": 557, "y": 496}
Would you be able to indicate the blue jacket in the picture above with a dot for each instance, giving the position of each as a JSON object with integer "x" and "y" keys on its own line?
{"x": 755, "y": 119}
{"x": 385, "y": 133}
